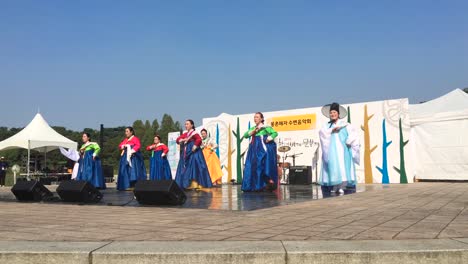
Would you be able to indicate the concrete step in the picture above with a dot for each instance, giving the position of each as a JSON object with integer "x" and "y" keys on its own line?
{"x": 440, "y": 251}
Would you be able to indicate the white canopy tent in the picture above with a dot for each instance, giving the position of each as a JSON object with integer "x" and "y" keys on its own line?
{"x": 39, "y": 136}
{"x": 439, "y": 137}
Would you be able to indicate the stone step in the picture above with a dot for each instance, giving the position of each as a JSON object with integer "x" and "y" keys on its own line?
{"x": 440, "y": 251}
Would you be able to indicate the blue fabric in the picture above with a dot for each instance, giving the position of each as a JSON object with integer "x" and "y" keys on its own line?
{"x": 91, "y": 170}
{"x": 260, "y": 165}
{"x": 180, "y": 166}
{"x": 194, "y": 168}
{"x": 129, "y": 175}
{"x": 159, "y": 167}
{"x": 348, "y": 157}
{"x": 333, "y": 167}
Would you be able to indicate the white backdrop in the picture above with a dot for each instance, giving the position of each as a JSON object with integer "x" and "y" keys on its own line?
{"x": 304, "y": 141}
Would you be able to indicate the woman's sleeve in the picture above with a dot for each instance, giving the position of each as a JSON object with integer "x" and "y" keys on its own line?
{"x": 197, "y": 139}
{"x": 165, "y": 149}
{"x": 122, "y": 143}
{"x": 137, "y": 145}
{"x": 179, "y": 138}
{"x": 325, "y": 136}
{"x": 354, "y": 143}
{"x": 247, "y": 134}
{"x": 96, "y": 148}
{"x": 272, "y": 134}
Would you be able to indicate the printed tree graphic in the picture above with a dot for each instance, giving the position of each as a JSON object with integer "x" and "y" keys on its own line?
{"x": 239, "y": 139}
{"x": 349, "y": 115}
{"x": 217, "y": 140}
{"x": 229, "y": 156}
{"x": 367, "y": 149}
{"x": 385, "y": 145}
{"x": 402, "y": 169}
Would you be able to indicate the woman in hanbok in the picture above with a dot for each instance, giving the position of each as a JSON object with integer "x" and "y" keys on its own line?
{"x": 159, "y": 166}
{"x": 89, "y": 168}
{"x": 180, "y": 164}
{"x": 194, "y": 174}
{"x": 212, "y": 160}
{"x": 260, "y": 170}
{"x": 131, "y": 168}
{"x": 340, "y": 151}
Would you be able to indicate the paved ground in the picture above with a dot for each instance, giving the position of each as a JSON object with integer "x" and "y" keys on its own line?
{"x": 413, "y": 211}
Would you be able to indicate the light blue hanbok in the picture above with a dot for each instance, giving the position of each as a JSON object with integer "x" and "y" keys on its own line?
{"x": 340, "y": 153}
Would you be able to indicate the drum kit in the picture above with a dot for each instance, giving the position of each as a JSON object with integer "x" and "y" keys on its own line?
{"x": 284, "y": 166}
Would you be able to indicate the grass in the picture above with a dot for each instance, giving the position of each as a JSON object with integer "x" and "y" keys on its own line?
{"x": 9, "y": 179}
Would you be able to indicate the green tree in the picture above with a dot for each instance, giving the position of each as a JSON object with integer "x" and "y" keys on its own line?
{"x": 147, "y": 139}
{"x": 110, "y": 153}
{"x": 168, "y": 125}
{"x": 155, "y": 126}
{"x": 139, "y": 128}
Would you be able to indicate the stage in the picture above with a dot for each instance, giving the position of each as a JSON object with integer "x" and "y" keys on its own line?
{"x": 225, "y": 197}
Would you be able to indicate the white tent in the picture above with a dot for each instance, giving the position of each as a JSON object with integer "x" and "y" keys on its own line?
{"x": 39, "y": 136}
{"x": 439, "y": 137}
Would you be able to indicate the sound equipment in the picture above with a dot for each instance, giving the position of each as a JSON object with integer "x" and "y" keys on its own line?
{"x": 31, "y": 191}
{"x": 164, "y": 192}
{"x": 108, "y": 173}
{"x": 78, "y": 192}
{"x": 300, "y": 175}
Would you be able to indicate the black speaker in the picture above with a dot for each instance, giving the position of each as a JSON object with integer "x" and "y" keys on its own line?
{"x": 164, "y": 192}
{"x": 31, "y": 191}
{"x": 78, "y": 192}
{"x": 108, "y": 173}
{"x": 300, "y": 175}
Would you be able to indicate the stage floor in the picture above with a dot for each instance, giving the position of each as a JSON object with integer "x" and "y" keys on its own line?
{"x": 226, "y": 197}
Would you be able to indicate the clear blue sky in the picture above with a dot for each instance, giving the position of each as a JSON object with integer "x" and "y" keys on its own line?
{"x": 90, "y": 62}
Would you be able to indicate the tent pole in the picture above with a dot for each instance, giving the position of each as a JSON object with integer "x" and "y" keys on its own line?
{"x": 45, "y": 160}
{"x": 29, "y": 159}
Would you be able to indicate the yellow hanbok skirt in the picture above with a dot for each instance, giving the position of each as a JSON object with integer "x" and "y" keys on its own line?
{"x": 213, "y": 164}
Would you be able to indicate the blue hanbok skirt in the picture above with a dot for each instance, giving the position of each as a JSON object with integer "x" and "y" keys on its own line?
{"x": 128, "y": 176}
{"x": 260, "y": 165}
{"x": 194, "y": 168}
{"x": 159, "y": 167}
{"x": 91, "y": 170}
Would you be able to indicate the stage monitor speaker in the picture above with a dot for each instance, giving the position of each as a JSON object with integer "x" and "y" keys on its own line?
{"x": 300, "y": 175}
{"x": 31, "y": 191}
{"x": 108, "y": 173}
{"x": 164, "y": 192}
{"x": 78, "y": 192}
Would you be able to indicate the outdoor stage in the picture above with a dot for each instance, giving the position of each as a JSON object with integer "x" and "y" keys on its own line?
{"x": 227, "y": 197}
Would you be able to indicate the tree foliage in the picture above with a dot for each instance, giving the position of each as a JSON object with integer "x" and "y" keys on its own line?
{"x": 110, "y": 153}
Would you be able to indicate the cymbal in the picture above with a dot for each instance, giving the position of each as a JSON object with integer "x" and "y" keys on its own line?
{"x": 284, "y": 149}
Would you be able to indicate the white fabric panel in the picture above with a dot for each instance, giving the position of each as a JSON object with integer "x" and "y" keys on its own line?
{"x": 440, "y": 150}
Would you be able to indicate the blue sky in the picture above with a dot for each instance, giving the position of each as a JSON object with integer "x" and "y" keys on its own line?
{"x": 112, "y": 62}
